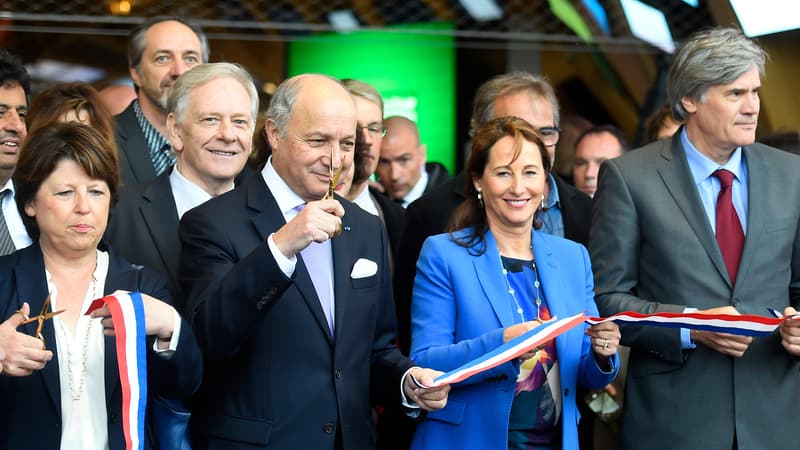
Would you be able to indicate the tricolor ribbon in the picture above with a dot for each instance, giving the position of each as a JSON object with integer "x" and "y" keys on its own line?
{"x": 127, "y": 314}
{"x": 745, "y": 325}
{"x": 511, "y": 349}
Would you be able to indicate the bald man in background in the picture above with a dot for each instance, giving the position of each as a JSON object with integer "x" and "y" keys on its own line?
{"x": 402, "y": 168}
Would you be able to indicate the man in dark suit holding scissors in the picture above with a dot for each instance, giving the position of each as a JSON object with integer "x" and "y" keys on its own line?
{"x": 297, "y": 326}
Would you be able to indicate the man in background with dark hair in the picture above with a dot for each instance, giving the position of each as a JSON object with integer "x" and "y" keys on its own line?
{"x": 19, "y": 352}
{"x": 592, "y": 147}
{"x": 159, "y": 51}
{"x": 15, "y": 89}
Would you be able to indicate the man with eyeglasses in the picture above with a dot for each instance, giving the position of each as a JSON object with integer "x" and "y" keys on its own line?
{"x": 369, "y": 134}
{"x": 402, "y": 169}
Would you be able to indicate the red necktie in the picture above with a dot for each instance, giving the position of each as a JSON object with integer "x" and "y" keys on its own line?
{"x": 730, "y": 236}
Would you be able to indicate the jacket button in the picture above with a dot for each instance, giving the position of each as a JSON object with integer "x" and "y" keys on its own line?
{"x": 735, "y": 301}
{"x": 337, "y": 373}
{"x": 112, "y": 417}
{"x": 328, "y": 428}
{"x": 566, "y": 392}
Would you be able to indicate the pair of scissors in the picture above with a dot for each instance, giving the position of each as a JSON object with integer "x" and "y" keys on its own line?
{"x": 332, "y": 182}
{"x": 41, "y": 318}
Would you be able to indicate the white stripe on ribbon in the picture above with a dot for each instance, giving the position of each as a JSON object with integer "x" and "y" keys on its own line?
{"x": 127, "y": 315}
{"x": 745, "y": 324}
{"x": 511, "y": 349}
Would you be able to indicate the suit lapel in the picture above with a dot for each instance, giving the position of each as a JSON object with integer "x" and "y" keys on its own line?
{"x": 674, "y": 172}
{"x": 268, "y": 218}
{"x": 32, "y": 287}
{"x": 161, "y": 217}
{"x": 758, "y": 211}
{"x": 342, "y": 254}
{"x": 489, "y": 271}
{"x": 135, "y": 150}
{"x": 552, "y": 281}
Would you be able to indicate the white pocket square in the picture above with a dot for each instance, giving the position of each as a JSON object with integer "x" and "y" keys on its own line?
{"x": 363, "y": 268}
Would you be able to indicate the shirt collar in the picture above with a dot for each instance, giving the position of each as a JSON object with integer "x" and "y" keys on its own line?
{"x": 286, "y": 198}
{"x": 418, "y": 189}
{"x": 553, "y": 199}
{"x": 702, "y": 166}
{"x": 147, "y": 128}
{"x": 10, "y": 186}
{"x": 187, "y": 194}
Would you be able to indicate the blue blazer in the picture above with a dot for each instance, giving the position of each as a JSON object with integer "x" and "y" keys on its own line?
{"x": 460, "y": 307}
{"x": 31, "y": 416}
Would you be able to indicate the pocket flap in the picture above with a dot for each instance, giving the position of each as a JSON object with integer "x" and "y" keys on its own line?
{"x": 452, "y": 413}
{"x": 251, "y": 431}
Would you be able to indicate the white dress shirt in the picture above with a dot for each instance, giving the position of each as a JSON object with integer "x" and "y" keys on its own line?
{"x": 13, "y": 220}
{"x": 366, "y": 202}
{"x": 418, "y": 189}
{"x": 84, "y": 421}
{"x": 187, "y": 194}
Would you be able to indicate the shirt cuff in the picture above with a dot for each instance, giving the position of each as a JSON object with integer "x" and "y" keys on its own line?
{"x": 412, "y": 409}
{"x": 285, "y": 264}
{"x": 686, "y": 335}
{"x": 167, "y": 353}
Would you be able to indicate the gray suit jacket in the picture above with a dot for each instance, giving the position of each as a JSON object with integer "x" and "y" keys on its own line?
{"x": 136, "y": 166}
{"x": 653, "y": 250}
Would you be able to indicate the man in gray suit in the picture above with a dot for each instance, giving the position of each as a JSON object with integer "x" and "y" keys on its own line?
{"x": 211, "y": 115}
{"x": 661, "y": 241}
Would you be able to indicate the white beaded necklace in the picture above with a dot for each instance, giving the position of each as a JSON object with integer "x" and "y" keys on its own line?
{"x": 536, "y": 285}
{"x": 77, "y": 393}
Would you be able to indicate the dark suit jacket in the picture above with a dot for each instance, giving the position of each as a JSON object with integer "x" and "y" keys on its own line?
{"x": 437, "y": 175}
{"x": 143, "y": 228}
{"x": 652, "y": 250}
{"x": 394, "y": 217}
{"x": 275, "y": 377}
{"x": 38, "y": 423}
{"x": 136, "y": 166}
{"x": 430, "y": 215}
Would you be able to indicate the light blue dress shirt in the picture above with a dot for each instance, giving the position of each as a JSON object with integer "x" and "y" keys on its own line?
{"x": 708, "y": 187}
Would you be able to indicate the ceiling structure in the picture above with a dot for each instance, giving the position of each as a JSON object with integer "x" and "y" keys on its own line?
{"x": 566, "y": 24}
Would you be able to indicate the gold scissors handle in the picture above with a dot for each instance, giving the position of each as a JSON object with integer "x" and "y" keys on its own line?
{"x": 334, "y": 175}
{"x": 41, "y": 318}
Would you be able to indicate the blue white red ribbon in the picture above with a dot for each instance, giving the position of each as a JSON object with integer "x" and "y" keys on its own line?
{"x": 745, "y": 324}
{"x": 511, "y": 349}
{"x": 127, "y": 314}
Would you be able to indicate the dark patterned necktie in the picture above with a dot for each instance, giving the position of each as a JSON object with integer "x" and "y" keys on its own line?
{"x": 730, "y": 235}
{"x": 163, "y": 159}
{"x": 6, "y": 243}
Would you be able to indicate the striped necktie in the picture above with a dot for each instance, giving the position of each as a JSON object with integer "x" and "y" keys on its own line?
{"x": 6, "y": 243}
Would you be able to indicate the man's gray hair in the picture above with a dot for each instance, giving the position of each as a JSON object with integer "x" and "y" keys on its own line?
{"x": 709, "y": 58}
{"x": 199, "y": 75}
{"x": 280, "y": 107}
{"x": 364, "y": 90}
{"x": 137, "y": 41}
{"x": 506, "y": 84}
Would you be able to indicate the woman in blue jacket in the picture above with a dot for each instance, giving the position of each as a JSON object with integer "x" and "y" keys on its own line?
{"x": 493, "y": 278}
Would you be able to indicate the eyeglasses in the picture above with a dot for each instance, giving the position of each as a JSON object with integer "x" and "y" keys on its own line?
{"x": 375, "y": 129}
{"x": 550, "y": 135}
